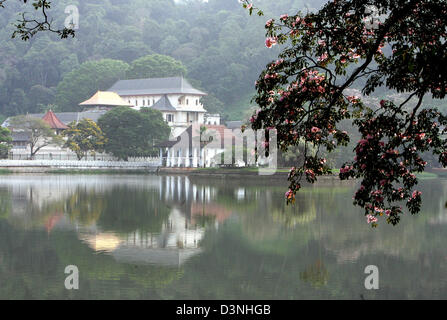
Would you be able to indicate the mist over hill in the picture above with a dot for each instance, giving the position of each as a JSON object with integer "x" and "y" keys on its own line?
{"x": 220, "y": 45}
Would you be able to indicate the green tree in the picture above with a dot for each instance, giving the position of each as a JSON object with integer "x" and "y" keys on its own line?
{"x": 155, "y": 66}
{"x": 5, "y": 142}
{"x": 132, "y": 133}
{"x": 91, "y": 76}
{"x": 83, "y": 137}
{"x": 40, "y": 133}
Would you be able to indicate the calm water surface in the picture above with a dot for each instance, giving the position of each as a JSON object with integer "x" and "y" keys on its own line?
{"x": 150, "y": 237}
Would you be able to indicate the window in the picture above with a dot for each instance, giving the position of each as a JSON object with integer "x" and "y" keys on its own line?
{"x": 169, "y": 118}
{"x": 153, "y": 101}
{"x": 197, "y": 102}
{"x": 179, "y": 101}
{"x": 187, "y": 101}
{"x": 136, "y": 103}
{"x": 144, "y": 102}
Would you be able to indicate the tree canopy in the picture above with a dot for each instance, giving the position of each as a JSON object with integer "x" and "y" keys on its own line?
{"x": 83, "y": 137}
{"x": 40, "y": 133}
{"x": 155, "y": 66}
{"x": 395, "y": 45}
{"x": 219, "y": 56}
{"x": 84, "y": 81}
{"x": 132, "y": 133}
{"x": 5, "y": 142}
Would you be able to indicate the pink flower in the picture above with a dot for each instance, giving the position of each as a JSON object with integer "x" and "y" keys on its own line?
{"x": 322, "y": 43}
{"x": 370, "y": 218}
{"x": 323, "y": 57}
{"x": 416, "y": 194}
{"x": 353, "y": 99}
{"x": 284, "y": 17}
{"x": 269, "y": 42}
{"x": 362, "y": 142}
{"x": 249, "y": 6}
{"x": 315, "y": 130}
{"x": 269, "y": 23}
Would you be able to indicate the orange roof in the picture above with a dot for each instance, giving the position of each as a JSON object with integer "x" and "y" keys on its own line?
{"x": 105, "y": 98}
{"x": 53, "y": 121}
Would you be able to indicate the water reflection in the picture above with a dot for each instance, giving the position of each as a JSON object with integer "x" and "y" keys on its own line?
{"x": 178, "y": 237}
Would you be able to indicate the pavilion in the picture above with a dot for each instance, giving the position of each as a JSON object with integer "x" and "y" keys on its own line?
{"x": 105, "y": 99}
{"x": 53, "y": 121}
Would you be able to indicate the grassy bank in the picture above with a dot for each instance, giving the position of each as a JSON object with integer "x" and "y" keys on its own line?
{"x": 5, "y": 171}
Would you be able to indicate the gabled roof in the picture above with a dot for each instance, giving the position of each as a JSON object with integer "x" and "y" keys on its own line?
{"x": 67, "y": 117}
{"x": 154, "y": 86}
{"x": 20, "y": 136}
{"x": 53, "y": 121}
{"x": 163, "y": 104}
{"x": 105, "y": 98}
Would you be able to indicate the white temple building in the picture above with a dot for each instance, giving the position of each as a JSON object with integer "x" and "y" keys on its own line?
{"x": 175, "y": 97}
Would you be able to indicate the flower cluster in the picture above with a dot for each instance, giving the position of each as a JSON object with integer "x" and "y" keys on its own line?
{"x": 302, "y": 95}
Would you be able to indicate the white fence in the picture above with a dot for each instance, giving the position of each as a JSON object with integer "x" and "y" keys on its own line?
{"x": 147, "y": 163}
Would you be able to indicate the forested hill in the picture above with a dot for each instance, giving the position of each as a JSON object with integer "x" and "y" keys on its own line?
{"x": 219, "y": 45}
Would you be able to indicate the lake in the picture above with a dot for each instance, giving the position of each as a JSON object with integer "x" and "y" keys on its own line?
{"x": 176, "y": 237}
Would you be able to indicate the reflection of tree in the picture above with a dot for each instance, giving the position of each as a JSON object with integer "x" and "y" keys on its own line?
{"x": 128, "y": 209}
{"x": 5, "y": 203}
{"x": 302, "y": 212}
{"x": 85, "y": 206}
{"x": 316, "y": 274}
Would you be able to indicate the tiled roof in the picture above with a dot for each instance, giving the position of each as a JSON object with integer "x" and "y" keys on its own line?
{"x": 68, "y": 117}
{"x": 164, "y": 104}
{"x": 105, "y": 98}
{"x": 20, "y": 136}
{"x": 53, "y": 121}
{"x": 154, "y": 86}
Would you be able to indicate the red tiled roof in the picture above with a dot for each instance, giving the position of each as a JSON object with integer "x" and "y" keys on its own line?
{"x": 53, "y": 121}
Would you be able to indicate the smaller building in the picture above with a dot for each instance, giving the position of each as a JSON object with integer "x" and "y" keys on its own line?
{"x": 212, "y": 119}
{"x": 53, "y": 121}
{"x": 197, "y": 146}
{"x": 105, "y": 100}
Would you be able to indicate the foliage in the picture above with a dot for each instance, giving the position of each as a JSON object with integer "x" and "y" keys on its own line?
{"x": 5, "y": 142}
{"x": 221, "y": 57}
{"x": 155, "y": 66}
{"x": 303, "y": 94}
{"x": 40, "y": 133}
{"x": 132, "y": 133}
{"x": 84, "y": 136}
{"x": 91, "y": 76}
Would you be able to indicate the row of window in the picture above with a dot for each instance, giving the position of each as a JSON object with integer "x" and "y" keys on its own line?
{"x": 153, "y": 102}
{"x": 144, "y": 102}
{"x": 187, "y": 101}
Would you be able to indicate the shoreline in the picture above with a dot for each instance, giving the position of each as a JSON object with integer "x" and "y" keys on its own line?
{"x": 222, "y": 173}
